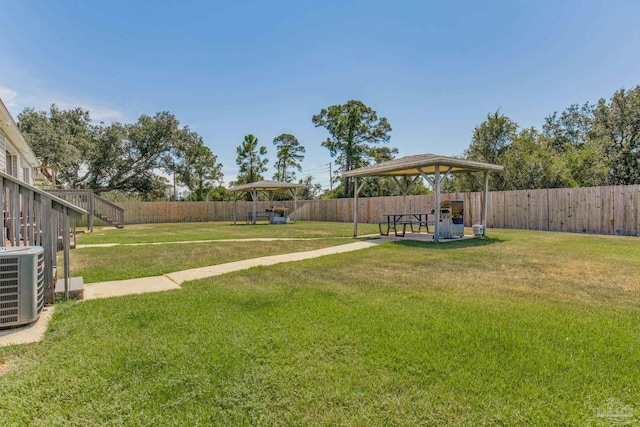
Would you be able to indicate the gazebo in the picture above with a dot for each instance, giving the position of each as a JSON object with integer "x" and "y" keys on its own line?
{"x": 433, "y": 168}
{"x": 263, "y": 186}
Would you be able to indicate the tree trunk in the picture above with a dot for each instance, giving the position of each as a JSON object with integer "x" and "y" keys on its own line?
{"x": 347, "y": 181}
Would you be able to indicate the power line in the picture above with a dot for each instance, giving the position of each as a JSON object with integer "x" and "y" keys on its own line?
{"x": 321, "y": 170}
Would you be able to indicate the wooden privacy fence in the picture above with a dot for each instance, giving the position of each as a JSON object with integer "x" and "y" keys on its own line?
{"x": 600, "y": 210}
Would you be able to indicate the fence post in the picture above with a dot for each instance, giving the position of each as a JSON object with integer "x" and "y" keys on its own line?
{"x": 50, "y": 268}
{"x": 485, "y": 203}
{"x": 66, "y": 244}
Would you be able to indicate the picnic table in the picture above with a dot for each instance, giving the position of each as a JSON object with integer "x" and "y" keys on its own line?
{"x": 274, "y": 215}
{"x": 411, "y": 219}
{"x": 264, "y": 216}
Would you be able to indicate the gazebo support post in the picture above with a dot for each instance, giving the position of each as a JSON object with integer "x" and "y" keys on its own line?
{"x": 405, "y": 188}
{"x": 356, "y": 190}
{"x": 254, "y": 196}
{"x": 436, "y": 236}
{"x": 294, "y": 193}
{"x": 436, "y": 184}
{"x": 485, "y": 202}
{"x": 235, "y": 206}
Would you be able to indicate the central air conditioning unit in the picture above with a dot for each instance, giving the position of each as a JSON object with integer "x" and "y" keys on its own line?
{"x": 21, "y": 285}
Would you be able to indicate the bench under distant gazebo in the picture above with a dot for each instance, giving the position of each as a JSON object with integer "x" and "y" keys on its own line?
{"x": 265, "y": 186}
{"x": 433, "y": 168}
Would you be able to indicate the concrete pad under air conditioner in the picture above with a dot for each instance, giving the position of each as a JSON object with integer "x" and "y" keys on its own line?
{"x": 26, "y": 334}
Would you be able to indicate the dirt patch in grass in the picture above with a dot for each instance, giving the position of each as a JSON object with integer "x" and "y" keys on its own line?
{"x": 7, "y": 365}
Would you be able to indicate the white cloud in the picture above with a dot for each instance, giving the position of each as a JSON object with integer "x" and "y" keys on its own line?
{"x": 230, "y": 174}
{"x": 8, "y": 96}
{"x": 98, "y": 111}
{"x": 41, "y": 101}
{"x": 227, "y": 180}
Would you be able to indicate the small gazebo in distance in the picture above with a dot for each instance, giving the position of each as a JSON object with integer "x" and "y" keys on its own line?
{"x": 264, "y": 186}
{"x": 435, "y": 169}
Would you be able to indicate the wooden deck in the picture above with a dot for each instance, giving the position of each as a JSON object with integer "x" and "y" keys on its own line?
{"x": 33, "y": 217}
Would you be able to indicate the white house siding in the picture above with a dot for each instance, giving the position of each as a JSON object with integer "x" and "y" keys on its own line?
{"x": 16, "y": 157}
{"x": 17, "y": 169}
{"x": 2, "y": 151}
{"x": 26, "y": 172}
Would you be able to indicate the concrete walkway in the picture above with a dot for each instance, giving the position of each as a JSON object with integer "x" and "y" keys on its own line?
{"x": 216, "y": 270}
{"x": 118, "y": 288}
{"x": 35, "y": 331}
{"x": 254, "y": 239}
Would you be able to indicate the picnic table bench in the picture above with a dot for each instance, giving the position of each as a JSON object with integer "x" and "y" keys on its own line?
{"x": 399, "y": 221}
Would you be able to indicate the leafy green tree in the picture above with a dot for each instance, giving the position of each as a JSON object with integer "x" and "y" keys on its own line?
{"x": 490, "y": 140}
{"x": 62, "y": 141}
{"x": 173, "y": 159}
{"x": 380, "y": 154}
{"x": 587, "y": 165}
{"x": 570, "y": 129}
{"x": 616, "y": 130}
{"x": 352, "y": 127}
{"x": 117, "y": 157}
{"x": 491, "y": 137}
{"x": 581, "y": 146}
{"x": 530, "y": 161}
{"x": 377, "y": 186}
{"x": 419, "y": 188}
{"x": 569, "y": 134}
{"x": 219, "y": 194}
{"x": 310, "y": 191}
{"x": 290, "y": 154}
{"x": 158, "y": 195}
{"x": 198, "y": 168}
{"x": 125, "y": 156}
{"x": 335, "y": 193}
{"x": 251, "y": 161}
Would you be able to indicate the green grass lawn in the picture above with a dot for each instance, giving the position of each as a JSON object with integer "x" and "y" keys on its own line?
{"x": 128, "y": 262}
{"x": 143, "y": 233}
{"x": 522, "y": 328}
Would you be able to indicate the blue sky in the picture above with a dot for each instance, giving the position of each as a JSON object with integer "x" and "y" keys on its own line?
{"x": 434, "y": 69}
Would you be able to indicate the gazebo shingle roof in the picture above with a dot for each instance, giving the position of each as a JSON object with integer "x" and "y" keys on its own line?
{"x": 265, "y": 185}
{"x": 411, "y": 165}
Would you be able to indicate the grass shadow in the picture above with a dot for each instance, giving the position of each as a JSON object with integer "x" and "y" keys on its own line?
{"x": 457, "y": 244}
